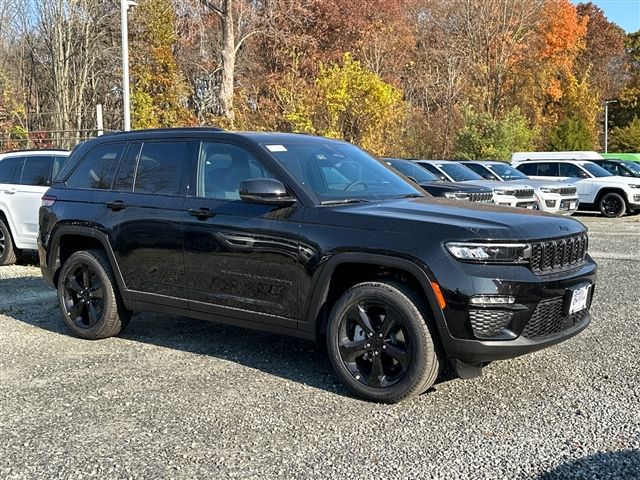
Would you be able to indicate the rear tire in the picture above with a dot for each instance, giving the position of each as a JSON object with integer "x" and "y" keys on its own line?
{"x": 88, "y": 296}
{"x": 379, "y": 342}
{"x": 7, "y": 248}
{"x": 612, "y": 205}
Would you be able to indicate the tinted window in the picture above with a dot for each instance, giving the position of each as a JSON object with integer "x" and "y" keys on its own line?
{"x": 37, "y": 170}
{"x": 482, "y": 171}
{"x": 58, "y": 162}
{"x": 459, "y": 173}
{"x": 97, "y": 169}
{"x": 221, "y": 168}
{"x": 571, "y": 170}
{"x": 528, "y": 168}
{"x": 548, "y": 169}
{"x": 430, "y": 168}
{"x": 506, "y": 172}
{"x": 8, "y": 168}
{"x": 127, "y": 172}
{"x": 595, "y": 170}
{"x": 160, "y": 167}
{"x": 413, "y": 171}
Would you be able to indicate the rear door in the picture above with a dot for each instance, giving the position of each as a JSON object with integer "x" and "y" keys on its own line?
{"x": 10, "y": 170}
{"x": 33, "y": 180}
{"x": 143, "y": 213}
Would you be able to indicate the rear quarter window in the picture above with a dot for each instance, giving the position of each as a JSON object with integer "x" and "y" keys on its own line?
{"x": 37, "y": 170}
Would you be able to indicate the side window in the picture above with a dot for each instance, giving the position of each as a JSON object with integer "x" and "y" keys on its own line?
{"x": 37, "y": 170}
{"x": 548, "y": 169}
{"x": 10, "y": 169}
{"x": 570, "y": 170}
{"x": 97, "y": 169}
{"x": 613, "y": 169}
{"x": 530, "y": 169}
{"x": 160, "y": 167}
{"x": 222, "y": 167}
{"x": 58, "y": 161}
{"x": 127, "y": 173}
{"x": 435, "y": 171}
{"x": 482, "y": 171}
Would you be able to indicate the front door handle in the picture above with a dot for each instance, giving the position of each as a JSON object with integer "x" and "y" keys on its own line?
{"x": 201, "y": 213}
{"x": 116, "y": 205}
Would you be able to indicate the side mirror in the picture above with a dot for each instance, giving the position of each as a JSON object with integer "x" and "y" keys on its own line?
{"x": 265, "y": 191}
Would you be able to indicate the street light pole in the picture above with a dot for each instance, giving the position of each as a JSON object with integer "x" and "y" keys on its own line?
{"x": 606, "y": 124}
{"x": 124, "y": 7}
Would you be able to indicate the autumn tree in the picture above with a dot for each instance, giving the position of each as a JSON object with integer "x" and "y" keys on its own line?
{"x": 159, "y": 92}
{"x": 626, "y": 139}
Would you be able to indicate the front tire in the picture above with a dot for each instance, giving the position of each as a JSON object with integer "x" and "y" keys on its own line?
{"x": 7, "y": 248}
{"x": 88, "y": 296}
{"x": 379, "y": 342}
{"x": 612, "y": 205}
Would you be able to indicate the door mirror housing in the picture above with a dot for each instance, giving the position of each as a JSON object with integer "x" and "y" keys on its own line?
{"x": 265, "y": 191}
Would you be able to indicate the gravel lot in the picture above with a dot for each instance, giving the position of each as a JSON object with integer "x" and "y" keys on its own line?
{"x": 179, "y": 398}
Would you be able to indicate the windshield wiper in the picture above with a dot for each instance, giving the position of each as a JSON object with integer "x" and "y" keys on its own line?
{"x": 344, "y": 201}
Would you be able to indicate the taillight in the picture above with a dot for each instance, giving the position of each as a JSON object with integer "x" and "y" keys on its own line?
{"x": 48, "y": 200}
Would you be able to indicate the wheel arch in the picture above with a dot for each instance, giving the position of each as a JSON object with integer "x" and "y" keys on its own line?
{"x": 68, "y": 239}
{"x": 330, "y": 284}
{"x": 603, "y": 191}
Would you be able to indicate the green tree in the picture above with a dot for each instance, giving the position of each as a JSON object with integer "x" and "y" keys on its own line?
{"x": 626, "y": 139}
{"x": 573, "y": 133}
{"x": 159, "y": 91}
{"x": 486, "y": 138}
{"x": 351, "y": 103}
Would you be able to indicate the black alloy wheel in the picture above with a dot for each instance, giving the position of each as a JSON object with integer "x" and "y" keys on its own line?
{"x": 379, "y": 341}
{"x": 612, "y": 205}
{"x": 83, "y": 296}
{"x": 374, "y": 344}
{"x": 88, "y": 296}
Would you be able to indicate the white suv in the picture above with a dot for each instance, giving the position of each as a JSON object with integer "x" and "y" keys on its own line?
{"x": 24, "y": 177}
{"x": 522, "y": 196}
{"x": 597, "y": 188}
{"x": 553, "y": 197}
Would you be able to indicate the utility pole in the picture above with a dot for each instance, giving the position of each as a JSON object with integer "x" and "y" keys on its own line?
{"x": 606, "y": 124}
{"x": 124, "y": 7}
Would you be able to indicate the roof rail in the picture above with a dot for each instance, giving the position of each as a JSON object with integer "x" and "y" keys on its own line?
{"x": 168, "y": 130}
{"x": 36, "y": 150}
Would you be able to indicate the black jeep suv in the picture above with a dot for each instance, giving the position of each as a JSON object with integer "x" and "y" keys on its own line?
{"x": 309, "y": 237}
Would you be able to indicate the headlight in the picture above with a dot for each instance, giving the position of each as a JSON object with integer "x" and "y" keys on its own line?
{"x": 550, "y": 189}
{"x": 490, "y": 252}
{"x": 503, "y": 191}
{"x": 457, "y": 195}
{"x": 634, "y": 186}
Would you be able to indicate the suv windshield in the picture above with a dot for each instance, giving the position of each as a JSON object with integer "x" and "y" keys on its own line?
{"x": 595, "y": 170}
{"x": 506, "y": 172}
{"x": 459, "y": 173}
{"x": 336, "y": 171}
{"x": 634, "y": 167}
{"x": 410, "y": 169}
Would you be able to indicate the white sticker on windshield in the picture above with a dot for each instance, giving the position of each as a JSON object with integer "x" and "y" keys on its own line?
{"x": 276, "y": 148}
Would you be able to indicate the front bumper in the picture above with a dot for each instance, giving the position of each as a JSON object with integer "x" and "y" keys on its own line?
{"x": 511, "y": 201}
{"x": 554, "y": 203}
{"x": 536, "y": 319}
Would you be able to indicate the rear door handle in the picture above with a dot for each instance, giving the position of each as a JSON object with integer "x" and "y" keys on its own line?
{"x": 201, "y": 213}
{"x": 10, "y": 192}
{"x": 116, "y": 205}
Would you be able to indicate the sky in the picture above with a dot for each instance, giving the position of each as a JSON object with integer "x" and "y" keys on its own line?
{"x": 626, "y": 13}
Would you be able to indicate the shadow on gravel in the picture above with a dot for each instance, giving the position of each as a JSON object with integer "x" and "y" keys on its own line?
{"x": 30, "y": 300}
{"x": 620, "y": 465}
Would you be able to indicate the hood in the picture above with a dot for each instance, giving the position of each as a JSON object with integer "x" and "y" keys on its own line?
{"x": 464, "y": 220}
{"x": 538, "y": 183}
{"x": 615, "y": 180}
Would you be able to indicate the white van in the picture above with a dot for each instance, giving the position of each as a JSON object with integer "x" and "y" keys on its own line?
{"x": 579, "y": 155}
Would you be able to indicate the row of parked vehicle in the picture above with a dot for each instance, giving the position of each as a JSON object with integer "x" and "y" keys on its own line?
{"x": 309, "y": 237}
{"x": 551, "y": 185}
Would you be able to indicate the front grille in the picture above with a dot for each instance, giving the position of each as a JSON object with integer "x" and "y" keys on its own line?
{"x": 523, "y": 193}
{"x": 489, "y": 323}
{"x": 559, "y": 254}
{"x": 568, "y": 191}
{"x": 481, "y": 197}
{"x": 548, "y": 319}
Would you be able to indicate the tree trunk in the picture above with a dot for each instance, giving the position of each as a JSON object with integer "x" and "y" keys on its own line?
{"x": 228, "y": 56}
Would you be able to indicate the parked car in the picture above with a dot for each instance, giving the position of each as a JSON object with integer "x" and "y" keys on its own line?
{"x": 622, "y": 168}
{"x": 552, "y": 197}
{"x": 310, "y": 237}
{"x": 522, "y": 196}
{"x": 439, "y": 188}
{"x": 572, "y": 155}
{"x": 597, "y": 188}
{"x": 24, "y": 177}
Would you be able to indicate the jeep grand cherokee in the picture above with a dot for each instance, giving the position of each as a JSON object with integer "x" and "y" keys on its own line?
{"x": 309, "y": 237}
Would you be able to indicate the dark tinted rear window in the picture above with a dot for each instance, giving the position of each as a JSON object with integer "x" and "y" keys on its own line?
{"x": 98, "y": 168}
{"x": 528, "y": 168}
{"x": 160, "y": 167}
{"x": 8, "y": 169}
